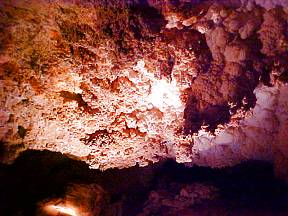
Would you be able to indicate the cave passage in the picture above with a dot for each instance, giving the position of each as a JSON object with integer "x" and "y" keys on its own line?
{"x": 37, "y": 175}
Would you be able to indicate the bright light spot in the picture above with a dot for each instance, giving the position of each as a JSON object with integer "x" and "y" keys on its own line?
{"x": 173, "y": 20}
{"x": 165, "y": 94}
{"x": 62, "y": 209}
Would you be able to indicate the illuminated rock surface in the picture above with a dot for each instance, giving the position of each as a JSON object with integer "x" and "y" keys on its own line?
{"x": 126, "y": 83}
{"x": 78, "y": 200}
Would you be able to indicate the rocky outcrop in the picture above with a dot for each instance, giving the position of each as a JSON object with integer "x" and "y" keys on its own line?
{"x": 133, "y": 83}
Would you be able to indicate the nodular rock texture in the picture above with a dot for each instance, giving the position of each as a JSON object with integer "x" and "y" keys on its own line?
{"x": 119, "y": 83}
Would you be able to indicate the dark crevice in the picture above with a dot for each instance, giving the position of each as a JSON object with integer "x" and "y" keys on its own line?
{"x": 144, "y": 16}
{"x": 71, "y": 96}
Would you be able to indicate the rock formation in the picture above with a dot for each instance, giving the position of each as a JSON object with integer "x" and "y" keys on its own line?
{"x": 120, "y": 83}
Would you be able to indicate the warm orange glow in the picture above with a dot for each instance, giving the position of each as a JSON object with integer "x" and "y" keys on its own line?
{"x": 52, "y": 209}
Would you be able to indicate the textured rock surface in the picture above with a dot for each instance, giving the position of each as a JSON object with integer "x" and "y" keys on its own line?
{"x": 116, "y": 84}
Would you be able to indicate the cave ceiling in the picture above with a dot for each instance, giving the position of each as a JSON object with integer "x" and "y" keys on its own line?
{"x": 120, "y": 83}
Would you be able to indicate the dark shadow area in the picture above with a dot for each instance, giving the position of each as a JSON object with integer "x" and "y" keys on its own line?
{"x": 208, "y": 98}
{"x": 143, "y": 16}
{"x": 38, "y": 175}
{"x": 250, "y": 185}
